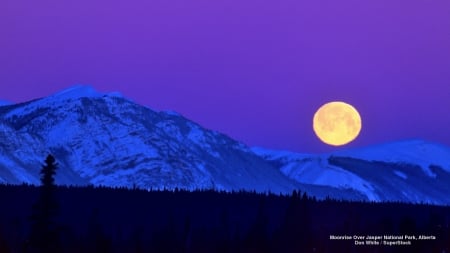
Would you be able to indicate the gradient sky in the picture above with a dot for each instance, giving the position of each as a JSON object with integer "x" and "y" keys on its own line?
{"x": 255, "y": 70}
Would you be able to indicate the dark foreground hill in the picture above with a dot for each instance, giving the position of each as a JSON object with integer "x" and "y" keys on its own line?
{"x": 92, "y": 219}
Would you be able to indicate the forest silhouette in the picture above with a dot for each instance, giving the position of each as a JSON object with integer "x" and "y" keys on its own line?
{"x": 50, "y": 218}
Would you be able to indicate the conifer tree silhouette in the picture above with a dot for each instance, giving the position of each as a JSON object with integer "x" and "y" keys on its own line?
{"x": 48, "y": 172}
{"x": 43, "y": 235}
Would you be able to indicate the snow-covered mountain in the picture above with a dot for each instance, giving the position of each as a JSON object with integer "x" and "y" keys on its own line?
{"x": 105, "y": 139}
{"x": 412, "y": 170}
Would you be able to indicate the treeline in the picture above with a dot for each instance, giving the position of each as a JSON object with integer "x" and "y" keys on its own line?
{"x": 99, "y": 219}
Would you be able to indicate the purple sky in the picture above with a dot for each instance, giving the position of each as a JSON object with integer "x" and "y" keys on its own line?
{"x": 255, "y": 70}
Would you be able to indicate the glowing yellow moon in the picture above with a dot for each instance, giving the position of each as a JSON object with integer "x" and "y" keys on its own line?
{"x": 337, "y": 123}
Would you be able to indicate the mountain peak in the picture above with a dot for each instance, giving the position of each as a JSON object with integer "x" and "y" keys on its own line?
{"x": 80, "y": 91}
{"x": 100, "y": 140}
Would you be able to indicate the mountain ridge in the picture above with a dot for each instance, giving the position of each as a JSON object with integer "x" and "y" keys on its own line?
{"x": 109, "y": 133}
{"x": 404, "y": 170}
{"x": 107, "y": 139}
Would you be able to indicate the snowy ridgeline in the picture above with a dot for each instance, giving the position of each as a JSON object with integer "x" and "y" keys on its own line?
{"x": 106, "y": 139}
{"x": 411, "y": 170}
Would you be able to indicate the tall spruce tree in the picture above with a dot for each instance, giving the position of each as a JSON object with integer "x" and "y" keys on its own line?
{"x": 44, "y": 236}
{"x": 48, "y": 172}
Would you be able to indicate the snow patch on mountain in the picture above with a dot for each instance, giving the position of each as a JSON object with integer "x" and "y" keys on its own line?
{"x": 76, "y": 92}
{"x": 81, "y": 91}
{"x": 400, "y": 174}
{"x": 198, "y": 136}
{"x": 279, "y": 154}
{"x": 419, "y": 152}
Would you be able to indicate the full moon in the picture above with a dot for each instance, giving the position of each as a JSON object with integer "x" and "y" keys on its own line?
{"x": 337, "y": 123}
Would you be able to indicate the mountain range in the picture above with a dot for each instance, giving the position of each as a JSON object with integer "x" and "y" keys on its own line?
{"x": 107, "y": 139}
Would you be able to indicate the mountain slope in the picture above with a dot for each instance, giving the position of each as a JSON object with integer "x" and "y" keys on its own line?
{"x": 108, "y": 140}
{"x": 413, "y": 170}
